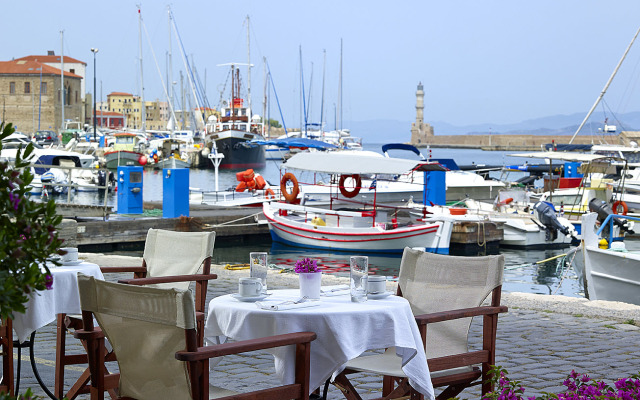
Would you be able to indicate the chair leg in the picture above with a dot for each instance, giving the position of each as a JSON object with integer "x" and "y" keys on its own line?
{"x": 7, "y": 358}
{"x": 61, "y": 341}
{"x": 345, "y": 386}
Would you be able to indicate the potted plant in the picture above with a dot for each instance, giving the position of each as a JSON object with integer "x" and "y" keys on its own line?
{"x": 28, "y": 236}
{"x": 310, "y": 278}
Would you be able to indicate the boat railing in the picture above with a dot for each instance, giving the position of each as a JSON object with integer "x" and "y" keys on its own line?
{"x": 609, "y": 223}
{"x": 70, "y": 172}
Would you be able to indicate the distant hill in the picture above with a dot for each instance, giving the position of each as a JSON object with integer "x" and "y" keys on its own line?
{"x": 384, "y": 131}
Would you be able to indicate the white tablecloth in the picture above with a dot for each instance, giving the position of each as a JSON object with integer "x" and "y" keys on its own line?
{"x": 345, "y": 330}
{"x": 42, "y": 307}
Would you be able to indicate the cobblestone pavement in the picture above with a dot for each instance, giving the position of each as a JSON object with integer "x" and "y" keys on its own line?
{"x": 537, "y": 346}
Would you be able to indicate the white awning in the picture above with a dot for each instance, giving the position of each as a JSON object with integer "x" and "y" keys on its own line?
{"x": 556, "y": 155}
{"x": 348, "y": 163}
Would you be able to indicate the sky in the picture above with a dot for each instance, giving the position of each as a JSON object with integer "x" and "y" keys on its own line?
{"x": 480, "y": 61}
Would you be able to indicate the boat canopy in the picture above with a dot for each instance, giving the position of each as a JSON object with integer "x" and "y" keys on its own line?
{"x": 294, "y": 142}
{"x": 556, "y": 155}
{"x": 348, "y": 163}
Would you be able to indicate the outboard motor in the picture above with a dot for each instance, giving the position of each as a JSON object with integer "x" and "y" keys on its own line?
{"x": 601, "y": 208}
{"x": 547, "y": 216}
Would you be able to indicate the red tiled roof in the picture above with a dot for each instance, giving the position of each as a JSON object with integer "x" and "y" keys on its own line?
{"x": 22, "y": 67}
{"x": 51, "y": 59}
{"x": 119, "y": 94}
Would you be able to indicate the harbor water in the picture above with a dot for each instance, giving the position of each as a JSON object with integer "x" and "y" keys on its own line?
{"x": 523, "y": 273}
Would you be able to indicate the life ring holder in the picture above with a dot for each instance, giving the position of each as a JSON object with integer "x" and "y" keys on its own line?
{"x": 625, "y": 208}
{"x": 346, "y": 193}
{"x": 290, "y": 197}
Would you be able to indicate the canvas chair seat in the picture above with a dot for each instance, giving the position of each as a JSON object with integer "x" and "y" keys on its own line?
{"x": 153, "y": 335}
{"x": 178, "y": 259}
{"x": 388, "y": 363}
{"x": 444, "y": 293}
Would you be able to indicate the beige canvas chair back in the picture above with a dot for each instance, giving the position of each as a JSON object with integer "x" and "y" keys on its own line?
{"x": 169, "y": 253}
{"x": 433, "y": 283}
{"x": 146, "y": 327}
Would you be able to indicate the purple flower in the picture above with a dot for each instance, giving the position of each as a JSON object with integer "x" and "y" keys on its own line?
{"x": 585, "y": 378}
{"x": 306, "y": 265}
{"x": 15, "y": 199}
{"x": 48, "y": 281}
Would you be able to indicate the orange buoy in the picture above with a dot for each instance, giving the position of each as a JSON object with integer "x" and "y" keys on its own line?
{"x": 289, "y": 196}
{"x": 618, "y": 204}
{"x": 241, "y": 187}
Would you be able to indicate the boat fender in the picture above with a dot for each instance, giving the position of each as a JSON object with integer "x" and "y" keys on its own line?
{"x": 505, "y": 201}
{"x": 260, "y": 182}
{"x": 241, "y": 187}
{"x": 603, "y": 243}
{"x": 317, "y": 221}
{"x": 394, "y": 223}
{"x": 617, "y": 204}
{"x": 346, "y": 193}
{"x": 290, "y": 197}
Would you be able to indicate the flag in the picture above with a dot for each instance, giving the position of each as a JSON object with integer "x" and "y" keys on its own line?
{"x": 373, "y": 184}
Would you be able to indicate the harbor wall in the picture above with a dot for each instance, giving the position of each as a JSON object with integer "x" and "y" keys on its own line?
{"x": 500, "y": 142}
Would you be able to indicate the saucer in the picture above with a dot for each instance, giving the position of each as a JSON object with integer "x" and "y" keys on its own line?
{"x": 71, "y": 263}
{"x": 249, "y": 299}
{"x": 376, "y": 296}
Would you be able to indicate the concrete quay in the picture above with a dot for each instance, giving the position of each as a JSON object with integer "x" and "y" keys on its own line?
{"x": 540, "y": 340}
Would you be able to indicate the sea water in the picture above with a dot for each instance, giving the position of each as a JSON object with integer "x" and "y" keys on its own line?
{"x": 523, "y": 272}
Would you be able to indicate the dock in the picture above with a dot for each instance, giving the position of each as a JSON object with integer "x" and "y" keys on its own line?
{"x": 128, "y": 232}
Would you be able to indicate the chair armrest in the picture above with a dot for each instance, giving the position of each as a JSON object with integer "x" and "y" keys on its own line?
{"x": 168, "y": 279}
{"x": 86, "y": 335}
{"x": 109, "y": 270}
{"x": 456, "y": 314}
{"x": 220, "y": 350}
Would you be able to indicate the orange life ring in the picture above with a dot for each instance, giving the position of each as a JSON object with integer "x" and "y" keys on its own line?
{"x": 293, "y": 195}
{"x": 269, "y": 193}
{"x": 355, "y": 191}
{"x": 624, "y": 206}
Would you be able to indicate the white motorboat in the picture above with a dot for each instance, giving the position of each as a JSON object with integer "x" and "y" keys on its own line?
{"x": 361, "y": 227}
{"x": 606, "y": 268}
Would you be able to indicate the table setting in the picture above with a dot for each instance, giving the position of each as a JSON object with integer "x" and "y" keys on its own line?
{"x": 348, "y": 320}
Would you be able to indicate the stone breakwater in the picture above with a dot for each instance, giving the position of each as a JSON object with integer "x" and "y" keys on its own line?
{"x": 540, "y": 340}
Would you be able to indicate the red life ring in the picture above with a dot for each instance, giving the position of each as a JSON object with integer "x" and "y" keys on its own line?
{"x": 356, "y": 189}
{"x": 290, "y": 197}
{"x": 622, "y": 204}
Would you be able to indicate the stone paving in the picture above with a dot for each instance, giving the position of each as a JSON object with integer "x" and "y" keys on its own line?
{"x": 539, "y": 347}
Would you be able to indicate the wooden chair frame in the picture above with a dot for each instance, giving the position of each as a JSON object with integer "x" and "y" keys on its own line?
{"x": 67, "y": 323}
{"x": 398, "y": 387}
{"x": 198, "y": 357}
{"x": 6, "y": 346}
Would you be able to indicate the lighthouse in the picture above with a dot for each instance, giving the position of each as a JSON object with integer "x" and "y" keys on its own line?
{"x": 420, "y": 131}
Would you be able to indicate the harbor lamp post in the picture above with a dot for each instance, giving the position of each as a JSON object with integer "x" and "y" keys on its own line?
{"x": 94, "y": 51}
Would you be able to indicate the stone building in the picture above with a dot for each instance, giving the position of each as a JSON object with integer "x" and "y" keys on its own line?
{"x": 420, "y": 132}
{"x": 31, "y": 97}
{"x": 70, "y": 65}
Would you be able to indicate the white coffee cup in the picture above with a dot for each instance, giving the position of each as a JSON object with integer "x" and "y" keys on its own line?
{"x": 71, "y": 256}
{"x": 377, "y": 284}
{"x": 250, "y": 287}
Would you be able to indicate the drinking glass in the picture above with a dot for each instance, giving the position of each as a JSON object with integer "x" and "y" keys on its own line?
{"x": 359, "y": 278}
{"x": 259, "y": 267}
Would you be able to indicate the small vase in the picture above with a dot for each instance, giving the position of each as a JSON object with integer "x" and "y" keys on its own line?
{"x": 310, "y": 284}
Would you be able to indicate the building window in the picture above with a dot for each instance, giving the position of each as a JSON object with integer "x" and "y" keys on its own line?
{"x": 27, "y": 87}
{"x": 43, "y": 88}
{"x": 76, "y": 96}
{"x": 12, "y": 88}
{"x": 72, "y": 70}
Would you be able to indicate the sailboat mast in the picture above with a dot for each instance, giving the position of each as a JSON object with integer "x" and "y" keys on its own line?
{"x": 143, "y": 111}
{"x": 339, "y": 117}
{"x": 606, "y": 86}
{"x": 62, "y": 101}
{"x": 170, "y": 73}
{"x": 324, "y": 67}
{"x": 248, "y": 73}
{"x": 264, "y": 96}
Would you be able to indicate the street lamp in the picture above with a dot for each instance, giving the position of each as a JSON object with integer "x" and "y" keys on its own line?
{"x": 94, "y": 51}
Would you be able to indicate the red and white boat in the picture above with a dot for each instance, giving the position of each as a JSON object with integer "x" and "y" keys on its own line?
{"x": 370, "y": 227}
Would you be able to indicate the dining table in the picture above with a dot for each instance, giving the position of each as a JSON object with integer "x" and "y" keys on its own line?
{"x": 344, "y": 329}
{"x": 43, "y": 307}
